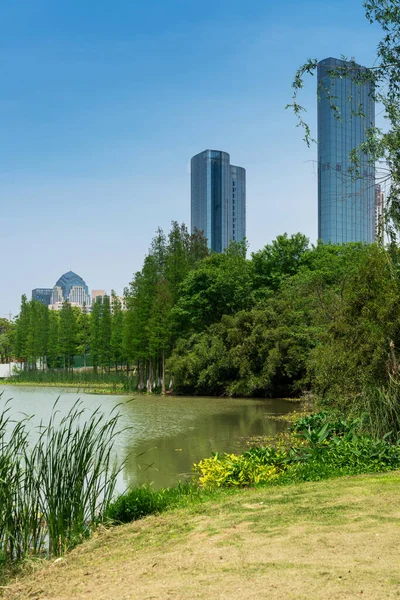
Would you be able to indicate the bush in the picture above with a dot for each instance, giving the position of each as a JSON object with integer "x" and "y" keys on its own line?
{"x": 259, "y": 465}
{"x": 323, "y": 445}
{"x": 143, "y": 501}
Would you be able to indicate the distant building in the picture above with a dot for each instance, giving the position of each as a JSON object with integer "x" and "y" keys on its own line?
{"x": 42, "y": 295}
{"x": 218, "y": 199}
{"x": 98, "y": 294}
{"x": 72, "y": 288}
{"x": 346, "y": 203}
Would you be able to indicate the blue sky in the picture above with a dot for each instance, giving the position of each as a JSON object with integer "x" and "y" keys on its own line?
{"x": 103, "y": 104}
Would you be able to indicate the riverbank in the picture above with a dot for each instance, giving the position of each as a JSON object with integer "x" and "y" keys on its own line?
{"x": 326, "y": 540}
{"x": 110, "y": 388}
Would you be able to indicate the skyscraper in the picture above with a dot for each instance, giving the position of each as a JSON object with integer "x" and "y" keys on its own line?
{"x": 379, "y": 212}
{"x": 70, "y": 287}
{"x": 42, "y": 295}
{"x": 218, "y": 199}
{"x": 346, "y": 201}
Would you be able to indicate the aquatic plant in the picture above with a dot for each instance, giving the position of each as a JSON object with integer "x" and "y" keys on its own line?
{"x": 55, "y": 490}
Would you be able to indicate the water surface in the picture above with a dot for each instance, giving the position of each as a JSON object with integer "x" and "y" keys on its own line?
{"x": 166, "y": 434}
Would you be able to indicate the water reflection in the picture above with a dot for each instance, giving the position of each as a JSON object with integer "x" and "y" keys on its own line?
{"x": 166, "y": 435}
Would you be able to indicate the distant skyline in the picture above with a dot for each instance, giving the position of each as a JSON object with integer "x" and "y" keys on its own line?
{"x": 103, "y": 105}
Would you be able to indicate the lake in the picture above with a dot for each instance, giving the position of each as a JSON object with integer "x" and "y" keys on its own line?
{"x": 166, "y": 434}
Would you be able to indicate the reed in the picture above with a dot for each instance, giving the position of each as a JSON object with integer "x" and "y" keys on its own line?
{"x": 380, "y": 408}
{"x": 54, "y": 491}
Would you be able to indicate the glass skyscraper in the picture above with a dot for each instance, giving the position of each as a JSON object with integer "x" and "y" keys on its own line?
{"x": 346, "y": 201}
{"x": 42, "y": 295}
{"x": 71, "y": 287}
{"x": 218, "y": 199}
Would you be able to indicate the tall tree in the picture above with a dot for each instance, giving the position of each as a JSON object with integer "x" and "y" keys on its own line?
{"x": 6, "y": 340}
{"x": 68, "y": 335}
{"x": 83, "y": 333}
{"x": 105, "y": 334}
{"x": 117, "y": 327}
{"x": 95, "y": 319}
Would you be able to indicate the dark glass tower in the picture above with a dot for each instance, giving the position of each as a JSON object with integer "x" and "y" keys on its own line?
{"x": 346, "y": 203}
{"x": 42, "y": 295}
{"x": 218, "y": 199}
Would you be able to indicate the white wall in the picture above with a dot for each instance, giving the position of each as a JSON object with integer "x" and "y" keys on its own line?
{"x": 7, "y": 370}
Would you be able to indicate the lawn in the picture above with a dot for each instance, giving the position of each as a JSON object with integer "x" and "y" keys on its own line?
{"x": 328, "y": 540}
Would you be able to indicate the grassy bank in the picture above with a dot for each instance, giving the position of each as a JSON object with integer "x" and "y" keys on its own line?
{"x": 96, "y": 383}
{"x": 88, "y": 388}
{"x": 326, "y": 540}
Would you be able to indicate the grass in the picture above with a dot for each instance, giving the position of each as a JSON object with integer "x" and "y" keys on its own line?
{"x": 86, "y": 380}
{"x": 326, "y": 540}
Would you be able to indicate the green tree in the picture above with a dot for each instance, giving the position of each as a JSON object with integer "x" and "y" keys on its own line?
{"x": 83, "y": 333}
{"x": 53, "y": 346}
{"x": 95, "y": 319}
{"x": 21, "y": 333}
{"x": 105, "y": 334}
{"x": 67, "y": 335}
{"x": 279, "y": 260}
{"x": 220, "y": 285}
{"x": 117, "y": 328}
{"x": 6, "y": 340}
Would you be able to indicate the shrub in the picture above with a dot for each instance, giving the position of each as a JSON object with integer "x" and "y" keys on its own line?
{"x": 143, "y": 501}
{"x": 257, "y": 466}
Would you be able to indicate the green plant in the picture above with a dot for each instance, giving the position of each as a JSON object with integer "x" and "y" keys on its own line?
{"x": 142, "y": 501}
{"x": 235, "y": 470}
{"x": 55, "y": 490}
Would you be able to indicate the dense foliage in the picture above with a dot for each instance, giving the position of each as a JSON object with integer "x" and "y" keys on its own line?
{"x": 292, "y": 317}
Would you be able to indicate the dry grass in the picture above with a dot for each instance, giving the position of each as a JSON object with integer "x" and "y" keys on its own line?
{"x": 336, "y": 539}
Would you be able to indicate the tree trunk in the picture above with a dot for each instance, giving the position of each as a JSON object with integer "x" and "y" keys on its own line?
{"x": 149, "y": 378}
{"x": 163, "y": 374}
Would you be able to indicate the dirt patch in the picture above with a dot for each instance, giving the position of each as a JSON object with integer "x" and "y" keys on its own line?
{"x": 331, "y": 540}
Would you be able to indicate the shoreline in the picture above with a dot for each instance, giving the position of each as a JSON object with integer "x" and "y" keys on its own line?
{"x": 111, "y": 389}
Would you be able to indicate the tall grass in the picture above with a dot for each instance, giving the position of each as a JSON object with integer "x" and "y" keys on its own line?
{"x": 380, "y": 408}
{"x": 55, "y": 490}
{"x": 116, "y": 381}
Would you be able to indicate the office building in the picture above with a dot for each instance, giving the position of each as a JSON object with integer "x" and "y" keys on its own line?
{"x": 218, "y": 199}
{"x": 98, "y": 294}
{"x": 72, "y": 288}
{"x": 346, "y": 201}
{"x": 379, "y": 212}
{"x": 42, "y": 295}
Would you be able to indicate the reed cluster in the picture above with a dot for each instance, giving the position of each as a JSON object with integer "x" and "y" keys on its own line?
{"x": 55, "y": 489}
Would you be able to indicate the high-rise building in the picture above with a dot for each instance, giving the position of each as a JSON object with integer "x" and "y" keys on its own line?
{"x": 218, "y": 199}
{"x": 98, "y": 294}
{"x": 72, "y": 288}
{"x": 346, "y": 200}
{"x": 379, "y": 212}
{"x": 42, "y": 295}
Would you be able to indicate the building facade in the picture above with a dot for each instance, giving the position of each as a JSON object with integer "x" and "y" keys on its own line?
{"x": 72, "y": 288}
{"x": 379, "y": 212}
{"x": 346, "y": 201}
{"x": 42, "y": 295}
{"x": 218, "y": 199}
